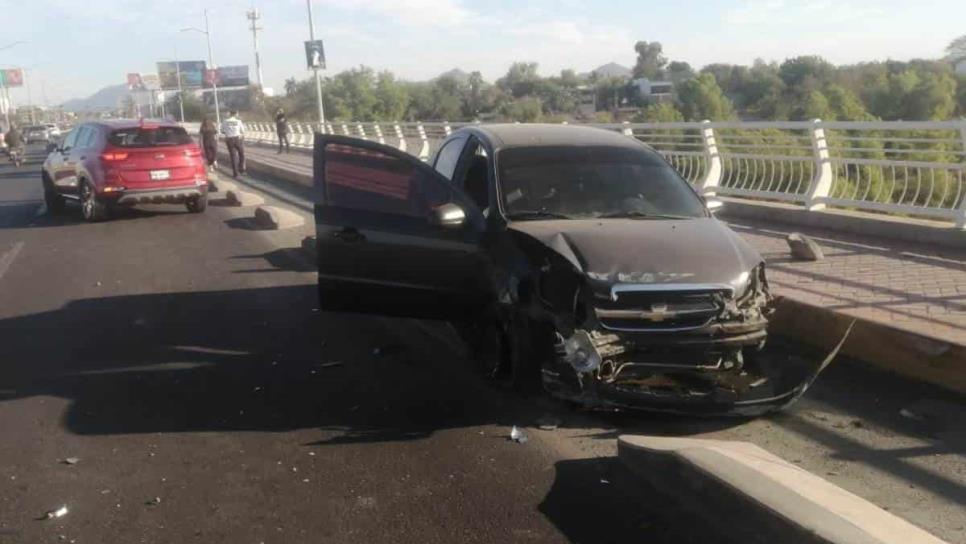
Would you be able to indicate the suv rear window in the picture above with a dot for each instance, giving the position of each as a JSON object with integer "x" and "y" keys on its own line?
{"x": 149, "y": 137}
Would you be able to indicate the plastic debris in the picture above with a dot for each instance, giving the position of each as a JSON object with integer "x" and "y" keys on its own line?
{"x": 59, "y": 513}
{"x": 548, "y": 423}
{"x": 604, "y": 481}
{"x": 330, "y": 365}
{"x": 72, "y": 460}
{"x": 153, "y": 502}
{"x": 518, "y": 436}
{"x": 909, "y": 414}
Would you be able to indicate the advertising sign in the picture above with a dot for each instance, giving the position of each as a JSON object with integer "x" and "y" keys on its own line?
{"x": 192, "y": 74}
{"x": 314, "y": 54}
{"x": 134, "y": 82}
{"x": 211, "y": 78}
{"x": 233, "y": 76}
{"x": 150, "y": 82}
{"x": 12, "y": 77}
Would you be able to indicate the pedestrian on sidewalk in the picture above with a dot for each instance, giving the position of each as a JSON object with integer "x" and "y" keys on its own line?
{"x": 209, "y": 142}
{"x": 281, "y": 128}
{"x": 234, "y": 131}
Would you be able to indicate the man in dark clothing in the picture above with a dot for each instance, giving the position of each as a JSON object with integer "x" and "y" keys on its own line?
{"x": 281, "y": 128}
{"x": 14, "y": 139}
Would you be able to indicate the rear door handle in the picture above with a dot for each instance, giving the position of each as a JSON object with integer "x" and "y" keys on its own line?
{"x": 349, "y": 234}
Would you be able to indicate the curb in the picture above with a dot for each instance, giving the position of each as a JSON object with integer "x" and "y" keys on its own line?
{"x": 752, "y": 495}
{"x": 908, "y": 354}
{"x": 275, "y": 218}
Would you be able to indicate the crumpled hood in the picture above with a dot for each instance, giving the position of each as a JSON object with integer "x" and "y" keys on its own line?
{"x": 612, "y": 251}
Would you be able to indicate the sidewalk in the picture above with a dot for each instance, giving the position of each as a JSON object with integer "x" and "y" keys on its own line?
{"x": 896, "y": 285}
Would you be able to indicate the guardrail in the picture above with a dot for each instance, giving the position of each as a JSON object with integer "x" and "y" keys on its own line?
{"x": 909, "y": 168}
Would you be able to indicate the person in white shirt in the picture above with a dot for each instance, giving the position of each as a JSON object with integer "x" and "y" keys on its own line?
{"x": 234, "y": 131}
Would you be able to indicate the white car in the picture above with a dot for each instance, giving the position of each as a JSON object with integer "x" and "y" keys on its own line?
{"x": 52, "y": 131}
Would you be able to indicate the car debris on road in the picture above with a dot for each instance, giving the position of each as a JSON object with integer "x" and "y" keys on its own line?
{"x": 58, "y": 513}
{"x": 518, "y": 436}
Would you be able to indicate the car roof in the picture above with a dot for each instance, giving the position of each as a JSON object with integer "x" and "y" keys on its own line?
{"x": 133, "y": 123}
{"x": 545, "y": 134}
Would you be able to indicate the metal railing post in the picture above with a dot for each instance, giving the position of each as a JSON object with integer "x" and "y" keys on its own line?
{"x": 712, "y": 178}
{"x": 401, "y": 145}
{"x": 361, "y": 130}
{"x": 960, "y": 217}
{"x": 446, "y": 129}
{"x": 821, "y": 184}
{"x": 626, "y": 129}
{"x": 378, "y": 130}
{"x": 424, "y": 142}
{"x": 345, "y": 130}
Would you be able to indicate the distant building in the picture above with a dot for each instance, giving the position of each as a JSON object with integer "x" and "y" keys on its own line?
{"x": 658, "y": 90}
{"x": 609, "y": 70}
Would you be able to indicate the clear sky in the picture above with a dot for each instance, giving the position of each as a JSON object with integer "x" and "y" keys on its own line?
{"x": 79, "y": 46}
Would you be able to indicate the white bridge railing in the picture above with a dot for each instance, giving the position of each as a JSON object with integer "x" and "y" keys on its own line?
{"x": 909, "y": 168}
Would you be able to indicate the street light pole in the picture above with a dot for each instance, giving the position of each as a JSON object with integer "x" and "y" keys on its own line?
{"x": 318, "y": 77}
{"x": 177, "y": 70}
{"x": 5, "y": 89}
{"x": 214, "y": 84}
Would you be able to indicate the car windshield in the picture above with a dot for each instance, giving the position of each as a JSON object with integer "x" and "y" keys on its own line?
{"x": 35, "y": 128}
{"x": 592, "y": 182}
{"x": 149, "y": 137}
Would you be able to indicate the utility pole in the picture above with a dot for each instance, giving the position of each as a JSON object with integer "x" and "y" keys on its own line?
{"x": 254, "y": 16}
{"x": 318, "y": 77}
{"x": 214, "y": 84}
{"x": 177, "y": 71}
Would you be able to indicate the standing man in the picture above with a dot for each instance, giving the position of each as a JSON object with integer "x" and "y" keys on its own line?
{"x": 234, "y": 131}
{"x": 281, "y": 128}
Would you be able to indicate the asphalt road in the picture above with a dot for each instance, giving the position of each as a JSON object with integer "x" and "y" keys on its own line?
{"x": 180, "y": 357}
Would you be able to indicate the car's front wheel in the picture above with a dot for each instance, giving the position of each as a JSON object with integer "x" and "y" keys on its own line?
{"x": 197, "y": 204}
{"x": 91, "y": 207}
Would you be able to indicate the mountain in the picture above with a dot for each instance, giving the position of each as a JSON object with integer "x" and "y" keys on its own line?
{"x": 107, "y": 98}
{"x": 611, "y": 69}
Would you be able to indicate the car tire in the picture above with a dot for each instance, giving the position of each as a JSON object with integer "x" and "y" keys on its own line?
{"x": 197, "y": 204}
{"x": 92, "y": 208}
{"x": 54, "y": 201}
{"x": 510, "y": 354}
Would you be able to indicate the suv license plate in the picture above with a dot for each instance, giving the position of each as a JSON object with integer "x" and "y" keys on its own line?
{"x": 158, "y": 175}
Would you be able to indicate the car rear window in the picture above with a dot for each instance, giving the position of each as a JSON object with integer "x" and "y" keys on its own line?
{"x": 149, "y": 137}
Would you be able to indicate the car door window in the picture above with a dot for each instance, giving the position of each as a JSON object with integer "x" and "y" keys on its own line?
{"x": 86, "y": 139}
{"x": 81, "y": 140}
{"x": 448, "y": 156}
{"x": 71, "y": 139}
{"x": 473, "y": 175}
{"x": 371, "y": 181}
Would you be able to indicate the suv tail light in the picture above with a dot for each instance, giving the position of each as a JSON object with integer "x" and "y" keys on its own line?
{"x": 114, "y": 156}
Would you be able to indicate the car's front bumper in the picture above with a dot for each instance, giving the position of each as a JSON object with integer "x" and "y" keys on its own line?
{"x": 173, "y": 195}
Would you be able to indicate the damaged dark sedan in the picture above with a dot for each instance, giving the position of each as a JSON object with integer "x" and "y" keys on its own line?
{"x": 569, "y": 257}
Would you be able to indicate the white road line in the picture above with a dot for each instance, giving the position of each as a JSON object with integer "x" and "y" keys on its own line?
{"x": 7, "y": 258}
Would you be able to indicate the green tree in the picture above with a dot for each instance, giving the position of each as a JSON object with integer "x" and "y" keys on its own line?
{"x": 520, "y": 79}
{"x": 956, "y": 50}
{"x": 392, "y": 98}
{"x": 650, "y": 60}
{"x": 291, "y": 86}
{"x": 679, "y": 72}
{"x": 806, "y": 73}
{"x": 662, "y": 112}
{"x": 701, "y": 98}
{"x": 524, "y": 110}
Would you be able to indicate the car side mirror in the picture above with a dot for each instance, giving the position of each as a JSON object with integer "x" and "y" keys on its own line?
{"x": 448, "y": 216}
{"x": 714, "y": 206}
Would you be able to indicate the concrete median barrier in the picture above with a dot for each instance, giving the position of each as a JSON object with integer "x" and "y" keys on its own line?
{"x": 275, "y": 218}
{"x": 241, "y": 198}
{"x": 754, "y": 496}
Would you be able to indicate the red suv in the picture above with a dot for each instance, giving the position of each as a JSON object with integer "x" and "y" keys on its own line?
{"x": 104, "y": 164}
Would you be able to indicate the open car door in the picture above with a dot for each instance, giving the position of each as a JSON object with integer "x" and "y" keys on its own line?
{"x": 393, "y": 236}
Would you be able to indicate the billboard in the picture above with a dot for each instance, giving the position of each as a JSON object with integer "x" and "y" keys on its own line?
{"x": 134, "y": 82}
{"x": 12, "y": 77}
{"x": 192, "y": 74}
{"x": 314, "y": 54}
{"x": 233, "y": 76}
{"x": 150, "y": 82}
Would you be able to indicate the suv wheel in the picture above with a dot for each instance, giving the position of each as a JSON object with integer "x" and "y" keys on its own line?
{"x": 197, "y": 204}
{"x": 92, "y": 208}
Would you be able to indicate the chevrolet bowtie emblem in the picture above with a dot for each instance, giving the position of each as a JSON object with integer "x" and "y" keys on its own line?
{"x": 658, "y": 312}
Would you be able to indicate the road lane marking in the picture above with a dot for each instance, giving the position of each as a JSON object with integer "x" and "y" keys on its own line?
{"x": 7, "y": 258}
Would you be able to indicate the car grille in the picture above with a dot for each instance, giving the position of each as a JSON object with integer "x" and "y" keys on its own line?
{"x": 659, "y": 310}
